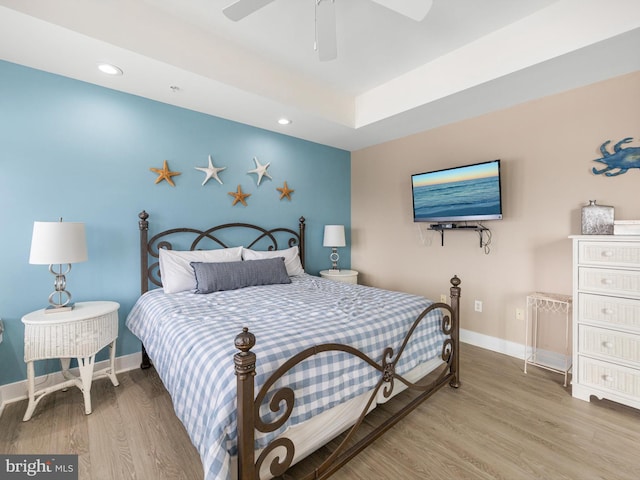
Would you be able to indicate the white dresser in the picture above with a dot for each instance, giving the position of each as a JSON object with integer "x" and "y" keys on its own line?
{"x": 606, "y": 318}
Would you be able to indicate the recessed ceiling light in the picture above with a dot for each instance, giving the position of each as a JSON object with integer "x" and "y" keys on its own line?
{"x": 109, "y": 69}
{"x": 284, "y": 121}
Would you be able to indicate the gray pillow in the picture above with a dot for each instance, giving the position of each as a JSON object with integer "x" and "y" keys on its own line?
{"x": 219, "y": 276}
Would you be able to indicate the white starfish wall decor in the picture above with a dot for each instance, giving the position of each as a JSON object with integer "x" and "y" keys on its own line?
{"x": 260, "y": 170}
{"x": 211, "y": 172}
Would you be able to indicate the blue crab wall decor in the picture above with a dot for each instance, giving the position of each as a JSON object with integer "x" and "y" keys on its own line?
{"x": 622, "y": 158}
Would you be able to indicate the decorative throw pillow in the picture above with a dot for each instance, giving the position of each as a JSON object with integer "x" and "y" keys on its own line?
{"x": 175, "y": 269}
{"x": 291, "y": 258}
{"x": 216, "y": 277}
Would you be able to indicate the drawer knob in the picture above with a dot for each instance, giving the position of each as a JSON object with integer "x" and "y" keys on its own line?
{"x": 607, "y": 378}
{"x": 607, "y": 281}
{"x": 607, "y": 311}
{"x": 607, "y": 344}
{"x": 607, "y": 253}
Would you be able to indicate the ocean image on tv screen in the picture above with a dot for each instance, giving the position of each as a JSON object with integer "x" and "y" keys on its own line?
{"x": 472, "y": 191}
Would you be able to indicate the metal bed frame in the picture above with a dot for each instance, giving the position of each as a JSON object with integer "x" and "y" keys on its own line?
{"x": 248, "y": 402}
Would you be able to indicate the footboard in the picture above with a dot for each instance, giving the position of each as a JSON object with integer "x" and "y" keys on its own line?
{"x": 248, "y": 403}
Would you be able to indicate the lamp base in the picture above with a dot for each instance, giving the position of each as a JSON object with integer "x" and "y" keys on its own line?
{"x": 60, "y": 285}
{"x": 64, "y": 308}
{"x": 334, "y": 257}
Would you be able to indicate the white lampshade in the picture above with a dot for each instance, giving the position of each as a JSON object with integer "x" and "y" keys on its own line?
{"x": 58, "y": 243}
{"x": 334, "y": 236}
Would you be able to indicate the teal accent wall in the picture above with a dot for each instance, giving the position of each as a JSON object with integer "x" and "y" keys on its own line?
{"x": 82, "y": 152}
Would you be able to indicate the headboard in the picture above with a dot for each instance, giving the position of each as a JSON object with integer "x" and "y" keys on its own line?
{"x": 219, "y": 236}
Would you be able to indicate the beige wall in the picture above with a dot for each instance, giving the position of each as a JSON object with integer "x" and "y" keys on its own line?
{"x": 546, "y": 147}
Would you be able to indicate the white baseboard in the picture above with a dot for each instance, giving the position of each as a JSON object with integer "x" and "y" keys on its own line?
{"x": 494, "y": 344}
{"x": 14, "y": 392}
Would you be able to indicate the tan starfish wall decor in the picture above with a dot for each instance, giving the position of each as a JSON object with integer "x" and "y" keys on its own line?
{"x": 165, "y": 174}
{"x": 238, "y": 196}
{"x": 285, "y": 191}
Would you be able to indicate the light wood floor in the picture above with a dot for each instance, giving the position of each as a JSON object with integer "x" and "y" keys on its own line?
{"x": 501, "y": 424}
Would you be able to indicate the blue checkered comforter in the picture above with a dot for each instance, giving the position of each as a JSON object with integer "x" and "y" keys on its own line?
{"x": 190, "y": 339}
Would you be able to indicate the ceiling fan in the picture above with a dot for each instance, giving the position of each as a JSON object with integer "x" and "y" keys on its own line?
{"x": 326, "y": 42}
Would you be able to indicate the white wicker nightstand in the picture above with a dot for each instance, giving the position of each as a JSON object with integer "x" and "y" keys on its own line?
{"x": 79, "y": 333}
{"x": 345, "y": 276}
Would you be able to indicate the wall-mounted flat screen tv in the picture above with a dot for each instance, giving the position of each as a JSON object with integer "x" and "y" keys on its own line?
{"x": 465, "y": 193}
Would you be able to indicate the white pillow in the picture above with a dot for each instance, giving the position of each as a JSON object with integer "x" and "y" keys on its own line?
{"x": 291, "y": 258}
{"x": 176, "y": 272}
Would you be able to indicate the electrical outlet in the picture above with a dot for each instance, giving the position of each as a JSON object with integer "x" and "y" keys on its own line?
{"x": 478, "y": 306}
{"x": 443, "y": 298}
{"x": 519, "y": 314}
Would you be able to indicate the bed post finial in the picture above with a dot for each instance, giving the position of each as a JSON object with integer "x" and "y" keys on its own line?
{"x": 143, "y": 224}
{"x": 245, "y": 341}
{"x": 245, "y": 365}
{"x": 455, "y": 329}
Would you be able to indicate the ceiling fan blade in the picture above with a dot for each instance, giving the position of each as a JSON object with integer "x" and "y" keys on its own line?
{"x": 326, "y": 30}
{"x": 414, "y": 9}
{"x": 240, "y": 9}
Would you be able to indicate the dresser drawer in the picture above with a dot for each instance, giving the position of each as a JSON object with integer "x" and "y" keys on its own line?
{"x": 609, "y": 281}
{"x": 609, "y": 311}
{"x": 610, "y": 345}
{"x": 618, "y": 254}
{"x": 609, "y": 376}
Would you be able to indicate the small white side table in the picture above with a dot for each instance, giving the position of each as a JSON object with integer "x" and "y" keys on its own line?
{"x": 345, "y": 276}
{"x": 79, "y": 333}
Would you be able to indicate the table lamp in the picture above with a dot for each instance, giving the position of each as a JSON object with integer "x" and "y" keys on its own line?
{"x": 58, "y": 243}
{"x": 334, "y": 237}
